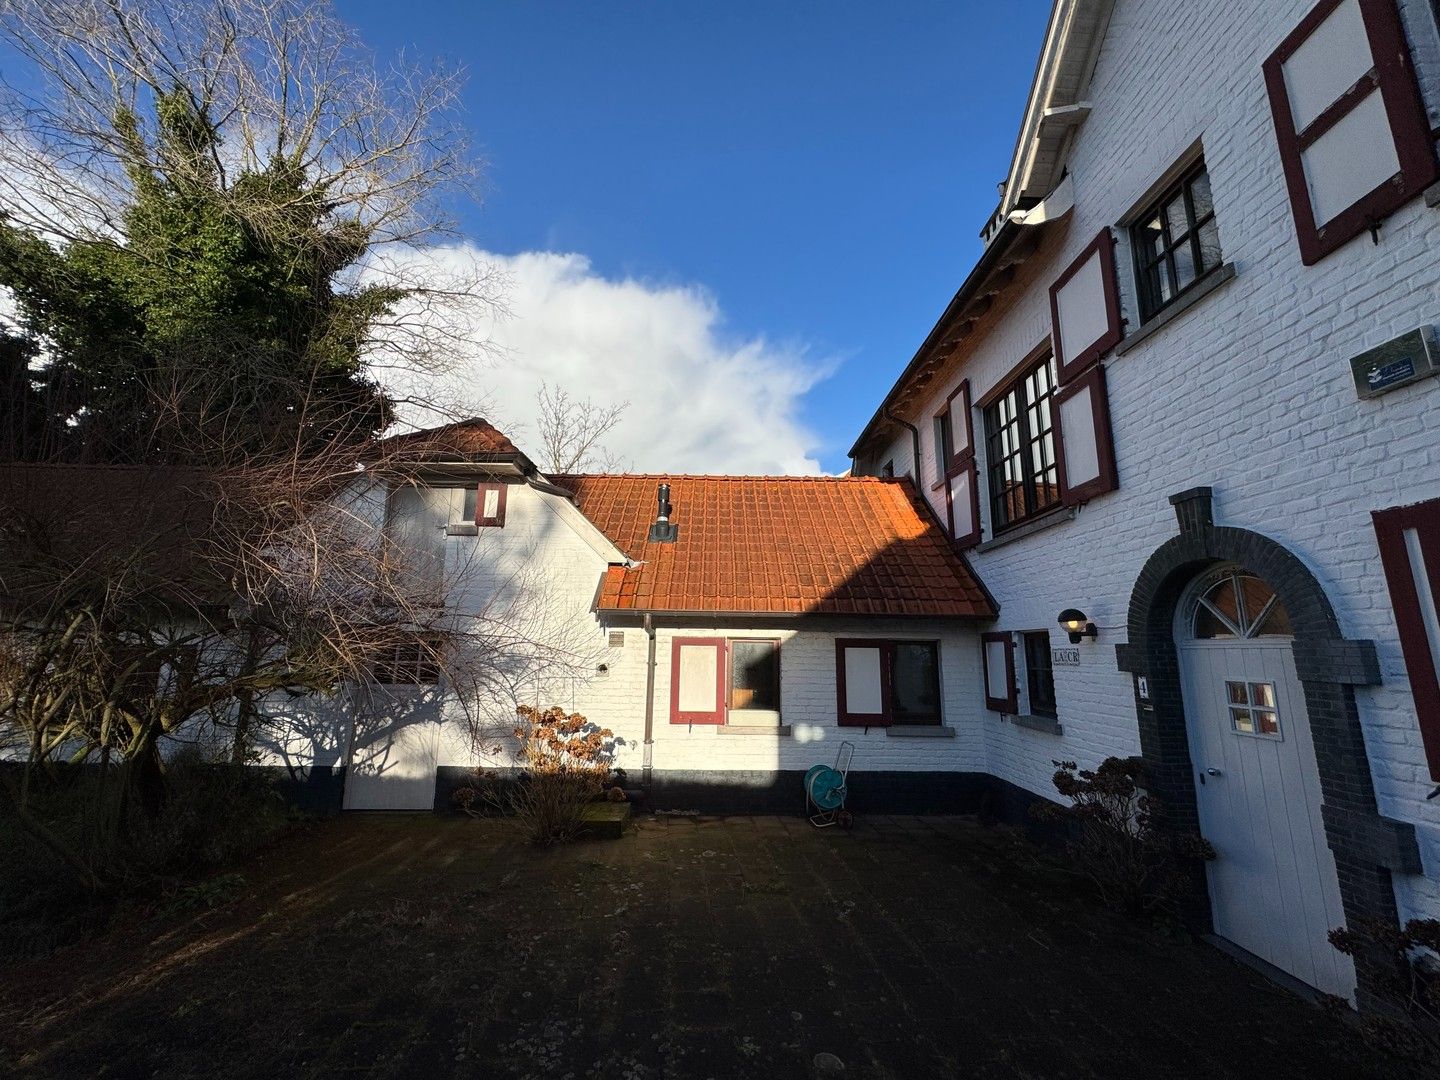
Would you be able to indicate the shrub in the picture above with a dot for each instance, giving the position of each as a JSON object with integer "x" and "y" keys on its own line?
{"x": 1116, "y": 839}
{"x": 1397, "y": 965}
{"x": 565, "y": 763}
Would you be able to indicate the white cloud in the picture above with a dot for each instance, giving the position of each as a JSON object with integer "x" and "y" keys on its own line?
{"x": 699, "y": 402}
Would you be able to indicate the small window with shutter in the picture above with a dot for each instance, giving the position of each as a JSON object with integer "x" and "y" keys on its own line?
{"x": 490, "y": 505}
{"x": 1354, "y": 138}
{"x": 962, "y": 495}
{"x": 997, "y": 651}
{"x": 1409, "y": 539}
{"x": 697, "y": 681}
{"x": 880, "y": 683}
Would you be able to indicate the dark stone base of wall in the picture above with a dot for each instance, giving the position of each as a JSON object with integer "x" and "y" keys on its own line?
{"x": 783, "y": 792}
{"x": 317, "y": 791}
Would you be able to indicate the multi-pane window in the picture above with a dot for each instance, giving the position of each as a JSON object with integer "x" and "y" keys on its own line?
{"x": 1176, "y": 242}
{"x": 915, "y": 683}
{"x": 1252, "y": 708}
{"x": 412, "y": 661}
{"x": 1039, "y": 674}
{"x": 1020, "y": 448}
{"x": 755, "y": 674}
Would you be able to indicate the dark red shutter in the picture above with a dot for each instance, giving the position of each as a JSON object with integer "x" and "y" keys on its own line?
{"x": 1391, "y": 75}
{"x": 683, "y": 710}
{"x": 1414, "y": 609}
{"x": 1083, "y": 344}
{"x": 855, "y": 706}
{"x": 962, "y": 493}
{"x": 497, "y": 519}
{"x": 1085, "y": 447}
{"x": 1004, "y": 669}
{"x": 957, "y": 410}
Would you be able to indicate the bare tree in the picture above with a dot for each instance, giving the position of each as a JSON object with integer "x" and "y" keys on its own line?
{"x": 571, "y": 431}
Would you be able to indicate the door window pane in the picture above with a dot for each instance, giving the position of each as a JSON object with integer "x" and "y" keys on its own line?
{"x": 915, "y": 683}
{"x": 1252, "y": 708}
{"x": 755, "y": 675}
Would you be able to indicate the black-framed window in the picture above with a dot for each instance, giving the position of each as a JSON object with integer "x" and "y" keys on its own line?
{"x": 755, "y": 674}
{"x": 1176, "y": 242}
{"x": 888, "y": 469}
{"x": 944, "y": 442}
{"x": 915, "y": 682}
{"x": 1039, "y": 673}
{"x": 414, "y": 660}
{"x": 1020, "y": 448}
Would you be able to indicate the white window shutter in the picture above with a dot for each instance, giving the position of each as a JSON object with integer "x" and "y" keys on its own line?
{"x": 1409, "y": 539}
{"x": 862, "y": 682}
{"x": 697, "y": 681}
{"x": 1086, "y": 449}
{"x": 1085, "y": 309}
{"x": 1353, "y": 133}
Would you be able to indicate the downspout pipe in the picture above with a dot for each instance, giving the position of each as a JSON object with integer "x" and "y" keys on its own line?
{"x": 889, "y": 414}
{"x": 647, "y": 760}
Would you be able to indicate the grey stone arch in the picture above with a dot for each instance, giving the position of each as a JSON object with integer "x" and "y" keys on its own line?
{"x": 1368, "y": 847}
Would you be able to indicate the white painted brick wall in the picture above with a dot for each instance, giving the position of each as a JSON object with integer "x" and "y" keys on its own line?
{"x": 1249, "y": 392}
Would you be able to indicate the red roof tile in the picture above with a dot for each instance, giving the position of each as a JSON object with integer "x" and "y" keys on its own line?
{"x": 467, "y": 438}
{"x": 787, "y": 545}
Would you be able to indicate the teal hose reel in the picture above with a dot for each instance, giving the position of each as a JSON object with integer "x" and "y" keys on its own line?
{"x": 826, "y": 788}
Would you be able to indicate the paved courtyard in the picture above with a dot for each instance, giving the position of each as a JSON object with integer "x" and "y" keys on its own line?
{"x": 395, "y": 946}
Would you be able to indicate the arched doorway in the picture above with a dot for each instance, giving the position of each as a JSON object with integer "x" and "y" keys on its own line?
{"x": 1366, "y": 846}
{"x": 1273, "y": 886}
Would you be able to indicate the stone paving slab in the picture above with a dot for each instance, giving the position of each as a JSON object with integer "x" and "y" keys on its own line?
{"x": 391, "y": 946}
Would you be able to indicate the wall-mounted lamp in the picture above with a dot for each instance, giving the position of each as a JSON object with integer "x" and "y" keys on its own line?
{"x": 1078, "y": 625}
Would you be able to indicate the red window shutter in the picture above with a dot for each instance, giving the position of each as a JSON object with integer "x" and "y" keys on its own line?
{"x": 490, "y": 505}
{"x": 962, "y": 504}
{"x": 1085, "y": 309}
{"x": 697, "y": 681}
{"x": 1409, "y": 538}
{"x": 1354, "y": 138}
{"x": 1085, "y": 448}
{"x": 957, "y": 412}
{"x": 862, "y": 682}
{"x": 962, "y": 494}
{"x": 997, "y": 650}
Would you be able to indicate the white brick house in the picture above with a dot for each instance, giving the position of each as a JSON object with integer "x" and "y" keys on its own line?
{"x": 1209, "y": 424}
{"x": 779, "y": 617}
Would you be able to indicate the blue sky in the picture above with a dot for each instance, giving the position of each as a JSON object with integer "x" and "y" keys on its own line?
{"x": 820, "y": 169}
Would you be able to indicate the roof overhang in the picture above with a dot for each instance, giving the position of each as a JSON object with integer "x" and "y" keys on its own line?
{"x": 1036, "y": 192}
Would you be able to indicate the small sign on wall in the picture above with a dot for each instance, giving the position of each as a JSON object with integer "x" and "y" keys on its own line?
{"x": 1064, "y": 657}
{"x": 1399, "y": 362}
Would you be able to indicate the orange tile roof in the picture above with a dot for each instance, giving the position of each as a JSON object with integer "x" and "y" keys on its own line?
{"x": 784, "y": 545}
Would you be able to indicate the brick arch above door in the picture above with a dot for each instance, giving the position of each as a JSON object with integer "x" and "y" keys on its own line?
{"x": 1367, "y": 847}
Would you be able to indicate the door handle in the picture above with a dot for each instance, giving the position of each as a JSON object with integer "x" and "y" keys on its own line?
{"x": 1212, "y": 772}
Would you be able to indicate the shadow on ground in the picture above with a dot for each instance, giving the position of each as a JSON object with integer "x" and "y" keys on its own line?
{"x": 389, "y": 946}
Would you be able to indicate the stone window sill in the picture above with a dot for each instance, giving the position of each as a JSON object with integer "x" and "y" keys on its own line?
{"x": 1047, "y": 521}
{"x": 1178, "y": 308}
{"x": 1046, "y": 724}
{"x": 920, "y": 731}
{"x": 462, "y": 529}
{"x": 753, "y": 729}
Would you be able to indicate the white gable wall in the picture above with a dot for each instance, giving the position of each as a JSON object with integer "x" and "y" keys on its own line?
{"x": 1249, "y": 392}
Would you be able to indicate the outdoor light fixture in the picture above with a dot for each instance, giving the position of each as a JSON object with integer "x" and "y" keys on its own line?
{"x": 1077, "y": 624}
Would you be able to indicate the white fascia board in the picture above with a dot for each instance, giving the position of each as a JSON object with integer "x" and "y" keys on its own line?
{"x": 1072, "y": 39}
{"x": 583, "y": 527}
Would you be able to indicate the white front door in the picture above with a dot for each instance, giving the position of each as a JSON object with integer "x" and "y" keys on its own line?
{"x": 393, "y": 760}
{"x": 1273, "y": 886}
